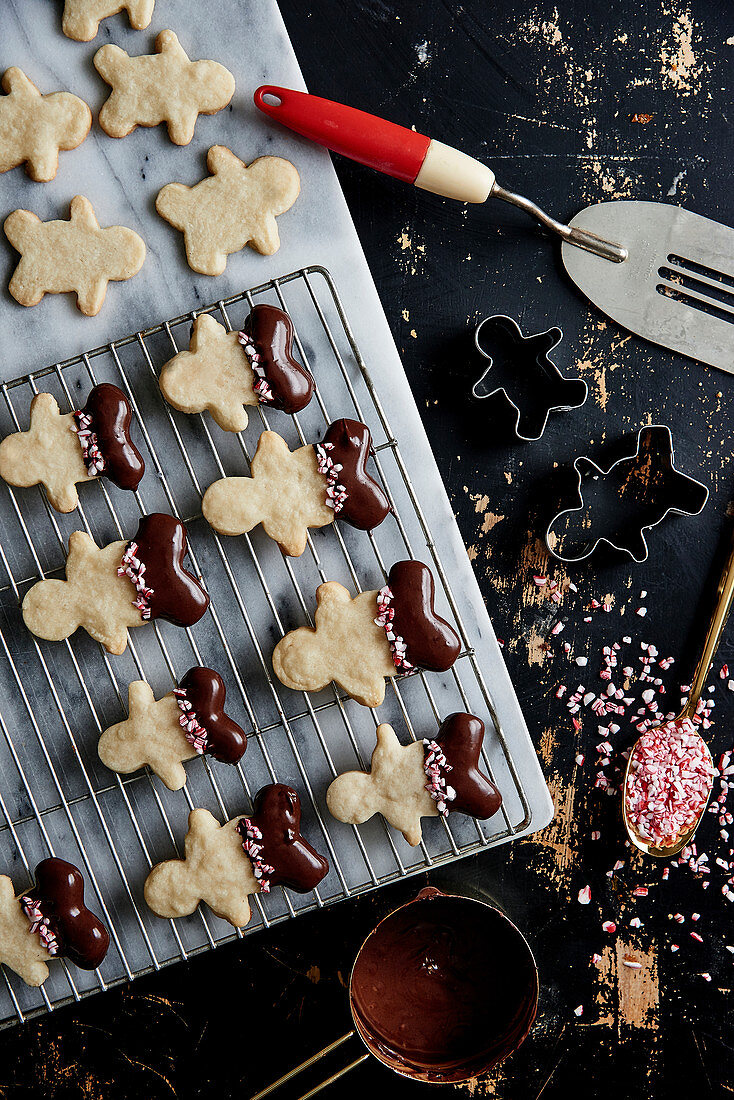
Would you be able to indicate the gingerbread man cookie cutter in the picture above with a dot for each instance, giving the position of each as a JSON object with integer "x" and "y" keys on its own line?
{"x": 524, "y": 362}
{"x": 647, "y": 488}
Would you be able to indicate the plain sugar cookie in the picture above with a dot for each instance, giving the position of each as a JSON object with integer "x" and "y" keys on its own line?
{"x": 34, "y": 127}
{"x": 236, "y": 206}
{"x": 82, "y": 17}
{"x": 161, "y": 87}
{"x": 71, "y": 257}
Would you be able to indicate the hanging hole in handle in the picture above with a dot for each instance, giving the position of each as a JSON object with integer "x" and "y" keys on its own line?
{"x": 267, "y": 97}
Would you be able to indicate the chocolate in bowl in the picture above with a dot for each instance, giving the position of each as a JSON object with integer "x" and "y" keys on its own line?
{"x": 444, "y": 988}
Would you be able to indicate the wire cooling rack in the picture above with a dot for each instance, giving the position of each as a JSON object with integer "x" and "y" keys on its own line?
{"x": 55, "y": 795}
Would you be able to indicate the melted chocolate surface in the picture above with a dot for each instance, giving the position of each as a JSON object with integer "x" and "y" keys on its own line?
{"x": 206, "y": 692}
{"x": 277, "y": 814}
{"x": 111, "y": 415}
{"x": 177, "y": 595}
{"x": 271, "y": 330}
{"x": 460, "y": 737}
{"x": 430, "y": 642}
{"x": 80, "y": 934}
{"x": 366, "y": 505}
{"x": 444, "y": 988}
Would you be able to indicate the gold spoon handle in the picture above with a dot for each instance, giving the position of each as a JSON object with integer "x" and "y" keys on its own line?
{"x": 724, "y": 599}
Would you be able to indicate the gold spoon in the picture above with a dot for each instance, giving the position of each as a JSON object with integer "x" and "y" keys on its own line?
{"x": 725, "y": 597}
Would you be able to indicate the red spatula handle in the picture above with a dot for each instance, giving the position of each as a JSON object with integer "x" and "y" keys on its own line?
{"x": 392, "y": 149}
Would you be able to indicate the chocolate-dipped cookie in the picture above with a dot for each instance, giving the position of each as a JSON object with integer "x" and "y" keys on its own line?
{"x": 119, "y": 586}
{"x": 225, "y": 864}
{"x": 291, "y": 491}
{"x": 187, "y": 722}
{"x": 358, "y": 642}
{"x": 428, "y": 778}
{"x": 62, "y": 450}
{"x": 49, "y": 921}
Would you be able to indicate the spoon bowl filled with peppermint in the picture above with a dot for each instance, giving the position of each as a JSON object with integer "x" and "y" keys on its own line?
{"x": 670, "y": 773}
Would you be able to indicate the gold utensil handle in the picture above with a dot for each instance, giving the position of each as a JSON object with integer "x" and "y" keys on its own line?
{"x": 725, "y": 597}
{"x": 310, "y": 1062}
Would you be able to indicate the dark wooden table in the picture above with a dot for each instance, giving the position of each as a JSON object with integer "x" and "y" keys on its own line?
{"x": 622, "y": 100}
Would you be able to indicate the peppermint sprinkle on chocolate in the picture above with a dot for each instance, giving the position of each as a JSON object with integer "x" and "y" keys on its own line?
{"x": 134, "y": 569}
{"x": 194, "y": 733}
{"x": 91, "y": 453}
{"x": 435, "y": 765}
{"x": 384, "y": 618}
{"x": 336, "y": 494}
{"x": 40, "y": 924}
{"x": 261, "y": 386}
{"x": 253, "y": 848}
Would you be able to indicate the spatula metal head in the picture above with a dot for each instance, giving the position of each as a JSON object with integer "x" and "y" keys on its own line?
{"x": 676, "y": 288}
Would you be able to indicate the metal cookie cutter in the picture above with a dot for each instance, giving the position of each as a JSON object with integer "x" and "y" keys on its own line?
{"x": 634, "y": 495}
{"x": 525, "y": 374}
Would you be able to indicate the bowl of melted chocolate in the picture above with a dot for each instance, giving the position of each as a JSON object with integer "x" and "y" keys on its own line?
{"x": 444, "y": 988}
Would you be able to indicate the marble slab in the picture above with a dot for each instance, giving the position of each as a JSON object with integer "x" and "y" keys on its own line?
{"x": 122, "y": 178}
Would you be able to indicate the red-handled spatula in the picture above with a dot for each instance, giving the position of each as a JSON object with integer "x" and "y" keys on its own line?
{"x": 663, "y": 273}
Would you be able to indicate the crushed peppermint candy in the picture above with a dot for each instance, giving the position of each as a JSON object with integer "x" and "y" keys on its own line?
{"x": 336, "y": 493}
{"x": 40, "y": 924}
{"x": 194, "y": 733}
{"x": 384, "y": 618}
{"x": 585, "y": 895}
{"x": 669, "y": 782}
{"x": 251, "y": 843}
{"x": 435, "y": 765}
{"x": 134, "y": 569}
{"x": 91, "y": 453}
{"x": 261, "y": 385}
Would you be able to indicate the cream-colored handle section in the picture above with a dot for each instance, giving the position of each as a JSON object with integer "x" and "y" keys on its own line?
{"x": 451, "y": 173}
